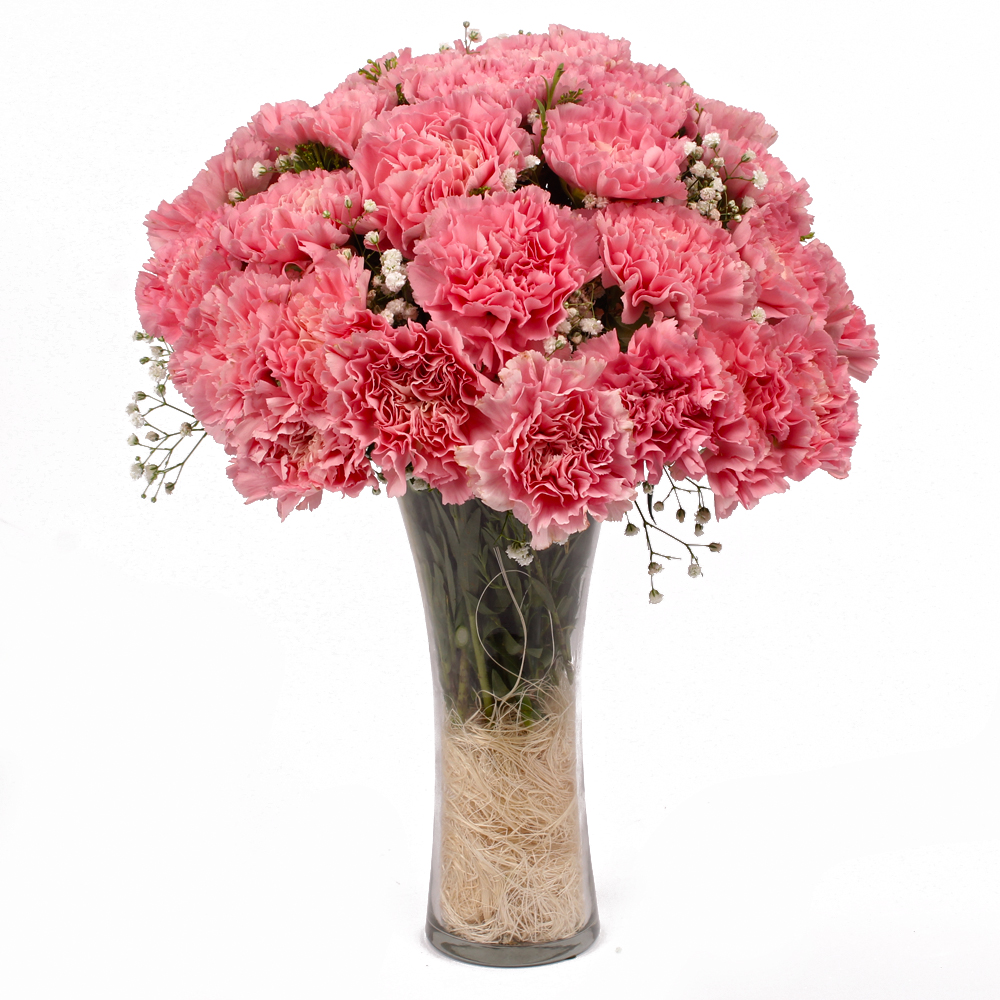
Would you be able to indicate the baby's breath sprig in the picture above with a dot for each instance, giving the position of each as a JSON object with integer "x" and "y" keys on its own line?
{"x": 647, "y": 523}
{"x": 160, "y": 465}
{"x": 581, "y": 322}
{"x": 310, "y": 156}
{"x": 706, "y": 176}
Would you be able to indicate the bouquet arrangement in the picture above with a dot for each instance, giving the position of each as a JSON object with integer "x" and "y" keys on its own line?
{"x": 532, "y": 274}
{"x": 528, "y": 270}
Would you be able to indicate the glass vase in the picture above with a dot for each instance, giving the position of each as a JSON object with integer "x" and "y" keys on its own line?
{"x": 511, "y": 880}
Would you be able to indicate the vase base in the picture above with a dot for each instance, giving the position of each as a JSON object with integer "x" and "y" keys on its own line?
{"x": 512, "y": 956}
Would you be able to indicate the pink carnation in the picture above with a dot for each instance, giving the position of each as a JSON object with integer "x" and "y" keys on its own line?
{"x": 677, "y": 395}
{"x": 853, "y": 336}
{"x": 411, "y": 392}
{"x": 556, "y": 447}
{"x": 735, "y": 123}
{"x": 300, "y": 216}
{"x": 673, "y": 261}
{"x": 801, "y": 409}
{"x": 500, "y": 269}
{"x": 263, "y": 387}
{"x": 415, "y": 155}
{"x": 618, "y": 150}
{"x": 231, "y": 171}
{"x": 170, "y": 292}
{"x": 335, "y": 122}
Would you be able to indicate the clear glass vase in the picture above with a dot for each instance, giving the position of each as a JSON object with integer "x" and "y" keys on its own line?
{"x": 511, "y": 880}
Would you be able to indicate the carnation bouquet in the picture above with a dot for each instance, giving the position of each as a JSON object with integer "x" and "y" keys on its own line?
{"x": 526, "y": 285}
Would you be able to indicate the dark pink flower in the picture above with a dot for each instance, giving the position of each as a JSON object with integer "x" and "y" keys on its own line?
{"x": 555, "y": 448}
{"x": 500, "y": 268}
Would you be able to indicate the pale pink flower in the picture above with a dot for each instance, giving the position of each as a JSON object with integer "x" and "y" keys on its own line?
{"x": 500, "y": 268}
{"x": 171, "y": 290}
{"x": 853, "y": 336}
{"x": 618, "y": 150}
{"x": 263, "y": 387}
{"x": 335, "y": 122}
{"x": 232, "y": 170}
{"x": 413, "y": 156}
{"x": 736, "y": 123}
{"x": 556, "y": 448}
{"x": 411, "y": 392}
{"x": 673, "y": 261}
{"x": 300, "y": 217}
{"x": 799, "y": 404}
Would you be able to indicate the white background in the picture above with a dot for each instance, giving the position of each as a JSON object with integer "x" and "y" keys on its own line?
{"x": 215, "y": 738}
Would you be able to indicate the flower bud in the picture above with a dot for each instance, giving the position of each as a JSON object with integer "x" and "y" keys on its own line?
{"x": 703, "y": 516}
{"x": 694, "y": 570}
{"x": 699, "y": 530}
{"x": 630, "y": 530}
{"x": 681, "y": 514}
{"x": 133, "y": 440}
{"x": 647, "y": 488}
{"x": 655, "y": 596}
{"x": 715, "y": 546}
{"x": 654, "y": 568}
{"x": 658, "y": 506}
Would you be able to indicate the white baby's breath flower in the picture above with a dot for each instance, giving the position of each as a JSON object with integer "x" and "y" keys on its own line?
{"x": 132, "y": 440}
{"x": 235, "y": 195}
{"x": 718, "y": 185}
{"x": 138, "y": 335}
{"x": 591, "y": 327}
{"x": 372, "y": 238}
{"x": 532, "y": 116}
{"x": 186, "y": 429}
{"x": 698, "y": 169}
{"x": 152, "y": 436}
{"x": 530, "y": 162}
{"x": 748, "y": 202}
{"x": 262, "y": 167}
{"x": 709, "y": 195}
{"x": 391, "y": 260}
{"x": 711, "y": 140}
{"x": 156, "y": 351}
{"x": 654, "y": 567}
{"x": 757, "y": 314}
{"x": 395, "y": 281}
{"x": 748, "y": 156}
{"x": 552, "y": 344}
{"x": 136, "y": 470}
{"x": 655, "y": 596}
{"x": 689, "y": 147}
{"x": 150, "y": 472}
{"x": 715, "y": 215}
{"x": 475, "y": 35}
{"x": 157, "y": 371}
{"x": 283, "y": 162}
{"x": 564, "y": 327}
{"x": 521, "y": 553}
{"x": 348, "y": 203}
{"x": 509, "y": 179}
{"x": 718, "y": 161}
{"x": 759, "y": 179}
{"x": 368, "y": 205}
{"x": 694, "y": 570}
